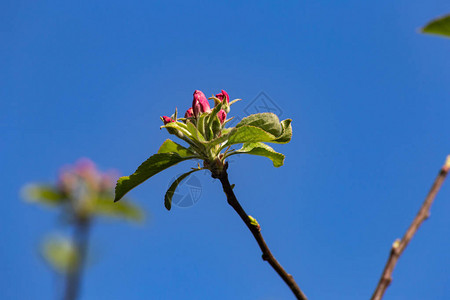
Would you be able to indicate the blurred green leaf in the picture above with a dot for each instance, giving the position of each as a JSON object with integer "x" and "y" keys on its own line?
{"x": 153, "y": 165}
{"x": 105, "y": 206}
{"x": 44, "y": 194}
{"x": 61, "y": 254}
{"x": 439, "y": 26}
{"x": 267, "y": 121}
{"x": 261, "y": 149}
{"x": 169, "y": 194}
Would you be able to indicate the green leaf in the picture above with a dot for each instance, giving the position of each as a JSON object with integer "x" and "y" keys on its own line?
{"x": 211, "y": 129}
{"x": 439, "y": 26}
{"x": 214, "y": 111}
{"x": 267, "y": 121}
{"x": 286, "y": 134}
{"x": 170, "y": 146}
{"x": 261, "y": 149}
{"x": 169, "y": 194}
{"x": 125, "y": 210}
{"x": 201, "y": 123}
{"x": 181, "y": 130}
{"x": 196, "y": 134}
{"x": 155, "y": 164}
{"x": 44, "y": 194}
{"x": 243, "y": 134}
{"x": 248, "y": 134}
{"x": 216, "y": 126}
{"x": 177, "y": 127}
{"x": 226, "y": 131}
{"x": 61, "y": 254}
{"x": 175, "y": 115}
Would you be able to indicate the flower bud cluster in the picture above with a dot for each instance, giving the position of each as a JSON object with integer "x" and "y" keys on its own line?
{"x": 200, "y": 105}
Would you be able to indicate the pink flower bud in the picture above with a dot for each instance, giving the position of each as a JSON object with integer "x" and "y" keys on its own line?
{"x": 200, "y": 104}
{"x": 166, "y": 120}
{"x": 222, "y": 116}
{"x": 189, "y": 113}
{"x": 223, "y": 95}
{"x": 84, "y": 170}
{"x": 85, "y": 166}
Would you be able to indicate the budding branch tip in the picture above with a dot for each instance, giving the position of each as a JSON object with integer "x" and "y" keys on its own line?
{"x": 396, "y": 244}
{"x": 446, "y": 166}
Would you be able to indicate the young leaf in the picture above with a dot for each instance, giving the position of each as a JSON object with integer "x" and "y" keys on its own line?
{"x": 286, "y": 134}
{"x": 440, "y": 26}
{"x": 155, "y": 164}
{"x": 216, "y": 126}
{"x": 214, "y": 111}
{"x": 243, "y": 134}
{"x": 261, "y": 149}
{"x": 174, "y": 127}
{"x": 61, "y": 254}
{"x": 43, "y": 194}
{"x": 125, "y": 210}
{"x": 234, "y": 101}
{"x": 248, "y": 134}
{"x": 253, "y": 221}
{"x": 201, "y": 124}
{"x": 169, "y": 194}
{"x": 194, "y": 132}
{"x": 267, "y": 121}
{"x": 170, "y": 146}
{"x": 210, "y": 119}
{"x": 178, "y": 127}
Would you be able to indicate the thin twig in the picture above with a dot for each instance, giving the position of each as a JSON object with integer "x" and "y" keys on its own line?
{"x": 81, "y": 244}
{"x": 255, "y": 230}
{"x": 399, "y": 245}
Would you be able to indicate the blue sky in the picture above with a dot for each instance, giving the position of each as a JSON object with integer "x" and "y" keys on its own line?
{"x": 369, "y": 99}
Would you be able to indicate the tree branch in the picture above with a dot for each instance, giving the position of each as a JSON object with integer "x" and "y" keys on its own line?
{"x": 81, "y": 244}
{"x": 255, "y": 230}
{"x": 399, "y": 245}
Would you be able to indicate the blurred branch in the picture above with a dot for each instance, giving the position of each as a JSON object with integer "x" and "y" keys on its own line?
{"x": 255, "y": 229}
{"x": 73, "y": 281}
{"x": 82, "y": 193}
{"x": 400, "y": 245}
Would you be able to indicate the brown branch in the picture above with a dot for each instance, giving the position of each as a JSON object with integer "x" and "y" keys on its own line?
{"x": 255, "y": 230}
{"x": 400, "y": 245}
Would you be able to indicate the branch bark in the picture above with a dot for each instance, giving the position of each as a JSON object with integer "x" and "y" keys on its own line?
{"x": 73, "y": 281}
{"x": 400, "y": 245}
{"x": 255, "y": 230}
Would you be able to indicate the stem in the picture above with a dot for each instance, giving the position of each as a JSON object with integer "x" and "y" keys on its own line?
{"x": 399, "y": 245}
{"x": 73, "y": 282}
{"x": 255, "y": 230}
